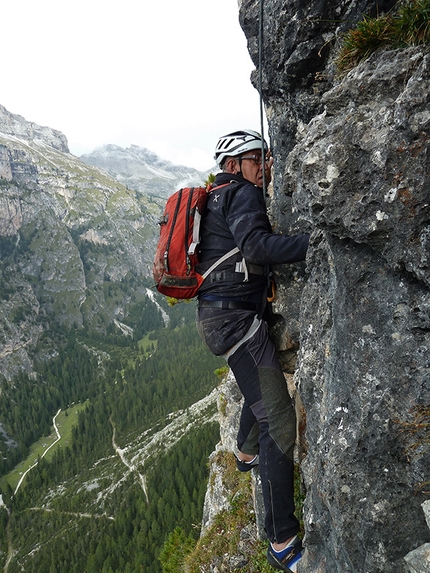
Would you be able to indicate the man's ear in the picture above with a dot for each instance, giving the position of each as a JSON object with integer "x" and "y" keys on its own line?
{"x": 230, "y": 165}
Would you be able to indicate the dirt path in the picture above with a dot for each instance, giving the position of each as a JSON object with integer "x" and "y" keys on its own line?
{"x": 8, "y": 534}
{"x": 54, "y": 422}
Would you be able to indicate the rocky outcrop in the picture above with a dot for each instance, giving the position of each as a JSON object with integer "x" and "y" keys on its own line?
{"x": 418, "y": 560}
{"x": 218, "y": 496}
{"x": 352, "y": 168}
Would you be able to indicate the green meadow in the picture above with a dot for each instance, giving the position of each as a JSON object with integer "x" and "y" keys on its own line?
{"x": 47, "y": 445}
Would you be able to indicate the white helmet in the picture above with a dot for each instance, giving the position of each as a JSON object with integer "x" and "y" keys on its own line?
{"x": 237, "y": 143}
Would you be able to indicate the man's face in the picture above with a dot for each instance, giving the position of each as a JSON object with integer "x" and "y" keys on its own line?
{"x": 251, "y": 167}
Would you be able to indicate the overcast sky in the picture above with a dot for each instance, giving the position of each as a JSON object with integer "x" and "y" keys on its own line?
{"x": 168, "y": 75}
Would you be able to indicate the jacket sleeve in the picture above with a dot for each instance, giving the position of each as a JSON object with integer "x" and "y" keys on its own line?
{"x": 248, "y": 222}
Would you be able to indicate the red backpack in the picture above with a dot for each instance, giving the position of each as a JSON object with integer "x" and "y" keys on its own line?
{"x": 176, "y": 255}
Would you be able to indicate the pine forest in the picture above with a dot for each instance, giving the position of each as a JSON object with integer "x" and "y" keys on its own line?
{"x": 132, "y": 467}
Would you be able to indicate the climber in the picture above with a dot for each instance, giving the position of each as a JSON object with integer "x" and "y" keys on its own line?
{"x": 231, "y": 321}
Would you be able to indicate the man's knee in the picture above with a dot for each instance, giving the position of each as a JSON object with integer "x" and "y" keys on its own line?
{"x": 279, "y": 408}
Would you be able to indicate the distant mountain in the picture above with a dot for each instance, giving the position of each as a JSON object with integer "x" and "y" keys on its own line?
{"x": 72, "y": 241}
{"x": 142, "y": 170}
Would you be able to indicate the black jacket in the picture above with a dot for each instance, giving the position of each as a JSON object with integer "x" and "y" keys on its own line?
{"x": 236, "y": 216}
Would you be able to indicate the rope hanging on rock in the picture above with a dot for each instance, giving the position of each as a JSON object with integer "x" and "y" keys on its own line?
{"x": 260, "y": 90}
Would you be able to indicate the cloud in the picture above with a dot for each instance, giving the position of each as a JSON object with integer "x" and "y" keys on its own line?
{"x": 171, "y": 76}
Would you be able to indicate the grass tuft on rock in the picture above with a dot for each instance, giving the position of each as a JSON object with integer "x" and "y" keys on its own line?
{"x": 407, "y": 25}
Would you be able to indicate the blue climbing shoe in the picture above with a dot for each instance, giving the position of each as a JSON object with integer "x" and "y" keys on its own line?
{"x": 290, "y": 560}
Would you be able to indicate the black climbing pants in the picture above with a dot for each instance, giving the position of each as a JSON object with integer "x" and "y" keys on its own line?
{"x": 268, "y": 421}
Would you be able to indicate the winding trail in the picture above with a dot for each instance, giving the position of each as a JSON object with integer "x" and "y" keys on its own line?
{"x": 9, "y": 545}
{"x": 54, "y": 422}
{"x": 8, "y": 533}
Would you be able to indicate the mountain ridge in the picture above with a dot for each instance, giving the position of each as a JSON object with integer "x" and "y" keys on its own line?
{"x": 16, "y": 125}
{"x": 143, "y": 170}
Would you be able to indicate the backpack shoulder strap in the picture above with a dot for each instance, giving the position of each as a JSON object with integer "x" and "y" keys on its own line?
{"x": 211, "y": 189}
{"x": 197, "y": 222}
{"x": 226, "y": 255}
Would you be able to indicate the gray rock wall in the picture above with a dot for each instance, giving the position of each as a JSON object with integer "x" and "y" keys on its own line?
{"x": 352, "y": 168}
{"x": 361, "y": 177}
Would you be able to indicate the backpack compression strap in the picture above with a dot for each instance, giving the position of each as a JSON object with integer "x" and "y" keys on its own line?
{"x": 221, "y": 260}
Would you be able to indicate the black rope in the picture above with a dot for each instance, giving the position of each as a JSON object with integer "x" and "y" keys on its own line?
{"x": 260, "y": 91}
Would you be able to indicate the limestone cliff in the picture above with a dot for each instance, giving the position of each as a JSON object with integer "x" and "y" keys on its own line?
{"x": 363, "y": 364}
{"x": 352, "y": 168}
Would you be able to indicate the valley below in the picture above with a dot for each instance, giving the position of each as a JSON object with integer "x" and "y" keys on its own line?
{"x": 108, "y": 397}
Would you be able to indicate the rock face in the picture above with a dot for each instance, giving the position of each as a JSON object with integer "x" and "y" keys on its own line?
{"x": 352, "y": 168}
{"x": 364, "y": 363}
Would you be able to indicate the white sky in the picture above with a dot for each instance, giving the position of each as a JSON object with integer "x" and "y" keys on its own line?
{"x": 168, "y": 75}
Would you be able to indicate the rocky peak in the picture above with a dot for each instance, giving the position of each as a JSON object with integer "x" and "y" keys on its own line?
{"x": 16, "y": 126}
{"x": 143, "y": 170}
{"x": 68, "y": 234}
